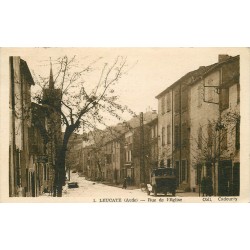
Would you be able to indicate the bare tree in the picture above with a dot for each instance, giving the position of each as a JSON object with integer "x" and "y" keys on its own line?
{"x": 84, "y": 102}
{"x": 212, "y": 142}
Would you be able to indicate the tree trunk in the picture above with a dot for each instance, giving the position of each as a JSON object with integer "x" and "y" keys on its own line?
{"x": 60, "y": 171}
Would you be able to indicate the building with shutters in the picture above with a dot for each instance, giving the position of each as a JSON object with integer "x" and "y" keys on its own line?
{"x": 196, "y": 114}
{"x": 35, "y": 134}
{"x": 174, "y": 127}
{"x": 153, "y": 144}
{"x": 138, "y": 144}
{"x": 215, "y": 127}
{"x": 20, "y": 121}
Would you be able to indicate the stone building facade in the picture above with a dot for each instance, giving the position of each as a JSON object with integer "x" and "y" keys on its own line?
{"x": 119, "y": 152}
{"x": 198, "y": 111}
{"x": 174, "y": 127}
{"x": 20, "y": 121}
{"x": 35, "y": 134}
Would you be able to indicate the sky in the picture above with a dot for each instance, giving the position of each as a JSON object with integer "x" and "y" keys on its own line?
{"x": 152, "y": 70}
{"x": 175, "y": 23}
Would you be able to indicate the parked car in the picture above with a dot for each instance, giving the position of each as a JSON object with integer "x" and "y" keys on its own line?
{"x": 73, "y": 185}
{"x": 162, "y": 180}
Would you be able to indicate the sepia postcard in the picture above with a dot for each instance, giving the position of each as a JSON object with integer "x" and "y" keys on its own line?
{"x": 125, "y": 125}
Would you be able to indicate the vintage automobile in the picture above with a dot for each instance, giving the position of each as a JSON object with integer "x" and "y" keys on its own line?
{"x": 73, "y": 185}
{"x": 163, "y": 180}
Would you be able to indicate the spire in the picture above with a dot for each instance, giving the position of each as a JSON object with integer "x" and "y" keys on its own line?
{"x": 51, "y": 81}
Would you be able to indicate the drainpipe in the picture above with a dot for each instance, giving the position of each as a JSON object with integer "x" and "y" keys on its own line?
{"x": 12, "y": 174}
{"x": 219, "y": 149}
{"x": 172, "y": 119}
{"x": 180, "y": 164}
{"x": 23, "y": 131}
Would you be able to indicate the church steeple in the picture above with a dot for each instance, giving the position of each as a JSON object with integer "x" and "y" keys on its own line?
{"x": 51, "y": 81}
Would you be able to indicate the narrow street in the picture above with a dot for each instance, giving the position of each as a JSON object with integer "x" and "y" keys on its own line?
{"x": 96, "y": 190}
{"x": 91, "y": 189}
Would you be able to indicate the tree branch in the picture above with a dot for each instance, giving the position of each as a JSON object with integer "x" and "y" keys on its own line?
{"x": 71, "y": 111}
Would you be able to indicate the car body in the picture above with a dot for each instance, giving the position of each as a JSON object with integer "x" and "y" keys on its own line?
{"x": 163, "y": 180}
{"x": 73, "y": 185}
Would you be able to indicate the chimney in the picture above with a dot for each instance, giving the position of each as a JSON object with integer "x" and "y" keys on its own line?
{"x": 223, "y": 57}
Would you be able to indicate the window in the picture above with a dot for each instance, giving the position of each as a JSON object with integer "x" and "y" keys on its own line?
{"x": 152, "y": 132}
{"x": 163, "y": 105}
{"x": 200, "y": 138}
{"x": 45, "y": 172}
{"x": 237, "y": 136}
{"x": 199, "y": 96}
{"x": 163, "y": 136}
{"x": 128, "y": 155}
{"x": 162, "y": 163}
{"x": 184, "y": 99}
{"x": 183, "y": 170}
{"x": 168, "y": 101}
{"x": 177, "y": 102}
{"x": 184, "y": 138}
{"x": 129, "y": 140}
{"x": 210, "y": 90}
{"x": 209, "y": 133}
{"x": 168, "y": 134}
{"x": 210, "y": 94}
{"x": 168, "y": 163}
{"x": 176, "y": 136}
{"x": 156, "y": 131}
{"x": 224, "y": 99}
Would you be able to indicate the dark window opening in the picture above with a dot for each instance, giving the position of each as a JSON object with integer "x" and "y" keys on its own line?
{"x": 163, "y": 136}
{"x": 237, "y": 135}
{"x": 177, "y": 102}
{"x": 183, "y": 170}
{"x": 224, "y": 99}
{"x": 177, "y": 137}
